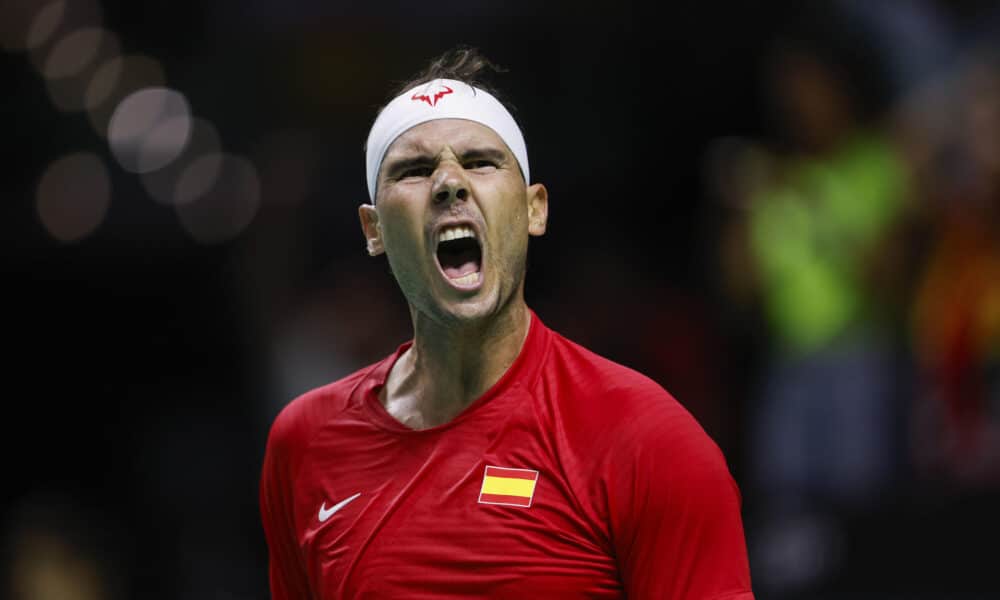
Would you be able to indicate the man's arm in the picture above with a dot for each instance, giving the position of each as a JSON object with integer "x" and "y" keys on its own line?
{"x": 287, "y": 572}
{"x": 675, "y": 512}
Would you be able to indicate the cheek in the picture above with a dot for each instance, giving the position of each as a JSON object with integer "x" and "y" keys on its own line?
{"x": 400, "y": 228}
{"x": 405, "y": 255}
{"x": 512, "y": 238}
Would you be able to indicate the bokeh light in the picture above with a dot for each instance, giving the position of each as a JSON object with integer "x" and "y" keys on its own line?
{"x": 164, "y": 143}
{"x": 149, "y": 129}
{"x": 15, "y": 19}
{"x": 113, "y": 81}
{"x": 218, "y": 197}
{"x": 102, "y": 84}
{"x": 74, "y": 62}
{"x": 162, "y": 183}
{"x": 198, "y": 178}
{"x": 73, "y": 196}
{"x": 44, "y": 24}
{"x": 72, "y": 53}
{"x": 56, "y": 21}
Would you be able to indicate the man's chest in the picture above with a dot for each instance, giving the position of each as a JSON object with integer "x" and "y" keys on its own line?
{"x": 459, "y": 514}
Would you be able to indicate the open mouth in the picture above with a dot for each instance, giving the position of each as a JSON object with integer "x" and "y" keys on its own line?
{"x": 460, "y": 256}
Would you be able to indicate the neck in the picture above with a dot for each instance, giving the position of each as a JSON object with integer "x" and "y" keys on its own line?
{"x": 449, "y": 366}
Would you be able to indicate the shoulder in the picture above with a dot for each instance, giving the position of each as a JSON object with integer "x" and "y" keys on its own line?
{"x": 294, "y": 427}
{"x": 608, "y": 406}
{"x": 653, "y": 482}
{"x": 592, "y": 384}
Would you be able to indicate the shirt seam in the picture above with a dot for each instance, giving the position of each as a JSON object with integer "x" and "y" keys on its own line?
{"x": 532, "y": 391}
{"x": 312, "y": 437}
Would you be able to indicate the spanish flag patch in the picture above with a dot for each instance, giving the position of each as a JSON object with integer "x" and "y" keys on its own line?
{"x": 509, "y": 487}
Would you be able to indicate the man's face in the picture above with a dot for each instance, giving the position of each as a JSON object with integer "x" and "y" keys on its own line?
{"x": 453, "y": 215}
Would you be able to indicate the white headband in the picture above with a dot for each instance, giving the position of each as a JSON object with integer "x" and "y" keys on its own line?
{"x": 440, "y": 99}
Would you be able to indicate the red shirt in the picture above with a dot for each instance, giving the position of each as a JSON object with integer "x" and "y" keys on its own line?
{"x": 571, "y": 477}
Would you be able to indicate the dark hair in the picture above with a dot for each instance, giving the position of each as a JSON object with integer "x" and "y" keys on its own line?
{"x": 462, "y": 63}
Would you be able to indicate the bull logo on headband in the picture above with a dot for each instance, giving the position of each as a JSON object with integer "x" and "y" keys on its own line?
{"x": 428, "y": 99}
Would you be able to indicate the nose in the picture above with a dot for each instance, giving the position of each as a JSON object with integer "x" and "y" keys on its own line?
{"x": 450, "y": 184}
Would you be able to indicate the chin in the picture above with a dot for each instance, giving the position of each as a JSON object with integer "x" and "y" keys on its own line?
{"x": 480, "y": 307}
{"x": 470, "y": 311}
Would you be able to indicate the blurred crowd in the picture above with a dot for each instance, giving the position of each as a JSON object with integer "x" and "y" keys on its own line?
{"x": 859, "y": 250}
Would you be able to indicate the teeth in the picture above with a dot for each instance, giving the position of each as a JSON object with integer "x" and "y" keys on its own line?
{"x": 467, "y": 279}
{"x": 455, "y": 232}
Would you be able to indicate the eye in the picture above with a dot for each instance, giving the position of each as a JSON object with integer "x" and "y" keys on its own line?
{"x": 416, "y": 172}
{"x": 482, "y": 164}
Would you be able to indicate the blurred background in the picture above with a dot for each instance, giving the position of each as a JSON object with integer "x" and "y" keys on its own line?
{"x": 786, "y": 213}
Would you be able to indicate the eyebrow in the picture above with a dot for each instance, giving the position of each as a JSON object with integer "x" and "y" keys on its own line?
{"x": 494, "y": 154}
{"x": 425, "y": 160}
{"x": 402, "y": 164}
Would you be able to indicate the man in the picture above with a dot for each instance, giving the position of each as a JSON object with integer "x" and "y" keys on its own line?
{"x": 489, "y": 457}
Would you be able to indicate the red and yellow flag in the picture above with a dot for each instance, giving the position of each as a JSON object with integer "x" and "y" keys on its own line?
{"x": 510, "y": 487}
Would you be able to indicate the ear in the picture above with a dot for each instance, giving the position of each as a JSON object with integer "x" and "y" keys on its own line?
{"x": 538, "y": 209}
{"x": 371, "y": 229}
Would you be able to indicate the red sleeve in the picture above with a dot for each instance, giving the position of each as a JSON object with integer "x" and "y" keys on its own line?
{"x": 675, "y": 510}
{"x": 287, "y": 571}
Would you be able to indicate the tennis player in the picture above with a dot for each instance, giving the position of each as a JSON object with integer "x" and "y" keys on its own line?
{"x": 488, "y": 457}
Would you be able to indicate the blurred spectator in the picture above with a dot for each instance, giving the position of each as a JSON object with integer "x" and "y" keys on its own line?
{"x": 956, "y": 312}
{"x": 811, "y": 243}
{"x": 916, "y": 39}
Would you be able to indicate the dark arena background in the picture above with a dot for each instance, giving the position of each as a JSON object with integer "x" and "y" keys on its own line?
{"x": 787, "y": 213}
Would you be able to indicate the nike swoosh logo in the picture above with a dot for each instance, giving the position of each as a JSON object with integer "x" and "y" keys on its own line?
{"x": 325, "y": 513}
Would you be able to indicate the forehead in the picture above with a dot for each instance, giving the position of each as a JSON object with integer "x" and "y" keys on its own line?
{"x": 434, "y": 136}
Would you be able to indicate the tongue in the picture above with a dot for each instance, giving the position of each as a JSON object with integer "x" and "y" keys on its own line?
{"x": 459, "y": 263}
{"x": 456, "y": 271}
